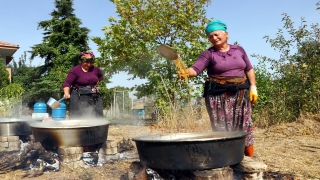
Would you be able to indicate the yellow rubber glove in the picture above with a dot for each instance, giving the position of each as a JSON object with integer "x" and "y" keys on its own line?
{"x": 253, "y": 94}
{"x": 183, "y": 76}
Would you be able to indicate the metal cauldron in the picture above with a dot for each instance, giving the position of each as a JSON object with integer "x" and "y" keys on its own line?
{"x": 191, "y": 151}
{"x": 70, "y": 133}
{"x": 16, "y": 126}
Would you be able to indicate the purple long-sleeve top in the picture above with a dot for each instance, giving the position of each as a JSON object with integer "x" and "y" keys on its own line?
{"x": 232, "y": 63}
{"x": 78, "y": 78}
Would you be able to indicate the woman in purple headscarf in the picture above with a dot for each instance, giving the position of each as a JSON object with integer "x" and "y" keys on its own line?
{"x": 230, "y": 88}
{"x": 81, "y": 86}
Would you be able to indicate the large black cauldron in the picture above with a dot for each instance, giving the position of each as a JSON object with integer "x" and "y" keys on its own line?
{"x": 70, "y": 133}
{"x": 191, "y": 151}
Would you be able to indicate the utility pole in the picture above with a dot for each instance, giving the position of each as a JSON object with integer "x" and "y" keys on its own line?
{"x": 123, "y": 102}
{"x": 114, "y": 102}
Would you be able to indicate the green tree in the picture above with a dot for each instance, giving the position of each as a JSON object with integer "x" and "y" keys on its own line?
{"x": 63, "y": 40}
{"x": 294, "y": 89}
{"x": 10, "y": 93}
{"x": 130, "y": 43}
{"x": 24, "y": 74}
{"x": 4, "y": 74}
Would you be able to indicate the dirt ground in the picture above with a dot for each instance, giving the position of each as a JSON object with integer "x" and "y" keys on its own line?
{"x": 291, "y": 152}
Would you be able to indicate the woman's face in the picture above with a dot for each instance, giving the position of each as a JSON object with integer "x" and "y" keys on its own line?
{"x": 87, "y": 64}
{"x": 218, "y": 38}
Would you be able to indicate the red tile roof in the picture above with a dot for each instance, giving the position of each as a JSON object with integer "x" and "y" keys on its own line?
{"x": 2, "y": 43}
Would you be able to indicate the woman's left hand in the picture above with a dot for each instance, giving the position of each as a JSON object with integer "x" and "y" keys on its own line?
{"x": 253, "y": 94}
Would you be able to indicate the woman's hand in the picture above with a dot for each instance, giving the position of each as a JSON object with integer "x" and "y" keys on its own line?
{"x": 66, "y": 96}
{"x": 66, "y": 91}
{"x": 253, "y": 88}
{"x": 253, "y": 94}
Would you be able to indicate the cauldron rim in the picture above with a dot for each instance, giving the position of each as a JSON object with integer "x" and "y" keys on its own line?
{"x": 14, "y": 120}
{"x": 190, "y": 137}
{"x": 70, "y": 124}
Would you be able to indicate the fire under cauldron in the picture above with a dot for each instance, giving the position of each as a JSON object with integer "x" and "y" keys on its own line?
{"x": 70, "y": 133}
{"x": 16, "y": 126}
{"x": 191, "y": 151}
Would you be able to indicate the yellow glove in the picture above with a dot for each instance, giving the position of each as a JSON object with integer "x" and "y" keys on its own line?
{"x": 183, "y": 75}
{"x": 253, "y": 94}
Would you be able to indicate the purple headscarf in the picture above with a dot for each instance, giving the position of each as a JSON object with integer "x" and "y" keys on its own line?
{"x": 87, "y": 55}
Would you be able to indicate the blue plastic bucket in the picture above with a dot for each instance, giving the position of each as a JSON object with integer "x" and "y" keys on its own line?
{"x": 59, "y": 113}
{"x": 40, "y": 107}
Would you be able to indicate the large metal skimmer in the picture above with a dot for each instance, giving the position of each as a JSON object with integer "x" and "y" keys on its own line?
{"x": 170, "y": 54}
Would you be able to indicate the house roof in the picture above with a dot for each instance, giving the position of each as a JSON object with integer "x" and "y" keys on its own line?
{"x": 8, "y": 45}
{"x": 7, "y": 50}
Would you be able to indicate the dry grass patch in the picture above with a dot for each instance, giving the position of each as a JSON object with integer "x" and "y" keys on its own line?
{"x": 186, "y": 120}
{"x": 291, "y": 148}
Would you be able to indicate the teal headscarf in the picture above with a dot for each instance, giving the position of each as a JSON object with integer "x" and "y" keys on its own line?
{"x": 216, "y": 25}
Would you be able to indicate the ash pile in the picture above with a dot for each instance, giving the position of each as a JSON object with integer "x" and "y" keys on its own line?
{"x": 21, "y": 152}
{"x": 250, "y": 168}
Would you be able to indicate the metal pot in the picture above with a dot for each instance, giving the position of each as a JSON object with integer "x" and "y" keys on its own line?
{"x": 191, "y": 151}
{"x": 70, "y": 133}
{"x": 16, "y": 126}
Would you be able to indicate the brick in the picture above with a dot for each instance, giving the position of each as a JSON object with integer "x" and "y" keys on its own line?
{"x": 73, "y": 165}
{"x": 129, "y": 155}
{"x": 4, "y": 144}
{"x": 14, "y": 144}
{"x": 13, "y": 138}
{"x": 13, "y": 148}
{"x": 70, "y": 150}
{"x": 70, "y": 158}
{"x": 2, "y": 149}
{"x": 112, "y": 157}
{"x": 218, "y": 173}
{"x": 250, "y": 165}
{"x": 108, "y": 151}
{"x": 3, "y": 138}
{"x": 109, "y": 144}
{"x": 106, "y": 158}
{"x": 66, "y": 165}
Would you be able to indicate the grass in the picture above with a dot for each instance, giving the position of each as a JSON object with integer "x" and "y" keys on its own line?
{"x": 187, "y": 119}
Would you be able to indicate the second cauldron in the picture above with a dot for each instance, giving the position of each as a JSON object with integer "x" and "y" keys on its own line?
{"x": 70, "y": 133}
{"x": 191, "y": 151}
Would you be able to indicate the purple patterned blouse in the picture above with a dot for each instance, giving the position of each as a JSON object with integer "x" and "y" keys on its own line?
{"x": 78, "y": 78}
{"x": 232, "y": 63}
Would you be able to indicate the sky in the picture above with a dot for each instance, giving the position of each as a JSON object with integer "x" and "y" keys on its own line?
{"x": 248, "y": 21}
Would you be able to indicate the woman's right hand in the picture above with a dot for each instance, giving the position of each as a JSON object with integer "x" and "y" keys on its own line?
{"x": 66, "y": 91}
{"x": 66, "y": 95}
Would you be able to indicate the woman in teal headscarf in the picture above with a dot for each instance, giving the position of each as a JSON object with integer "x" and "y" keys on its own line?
{"x": 230, "y": 87}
